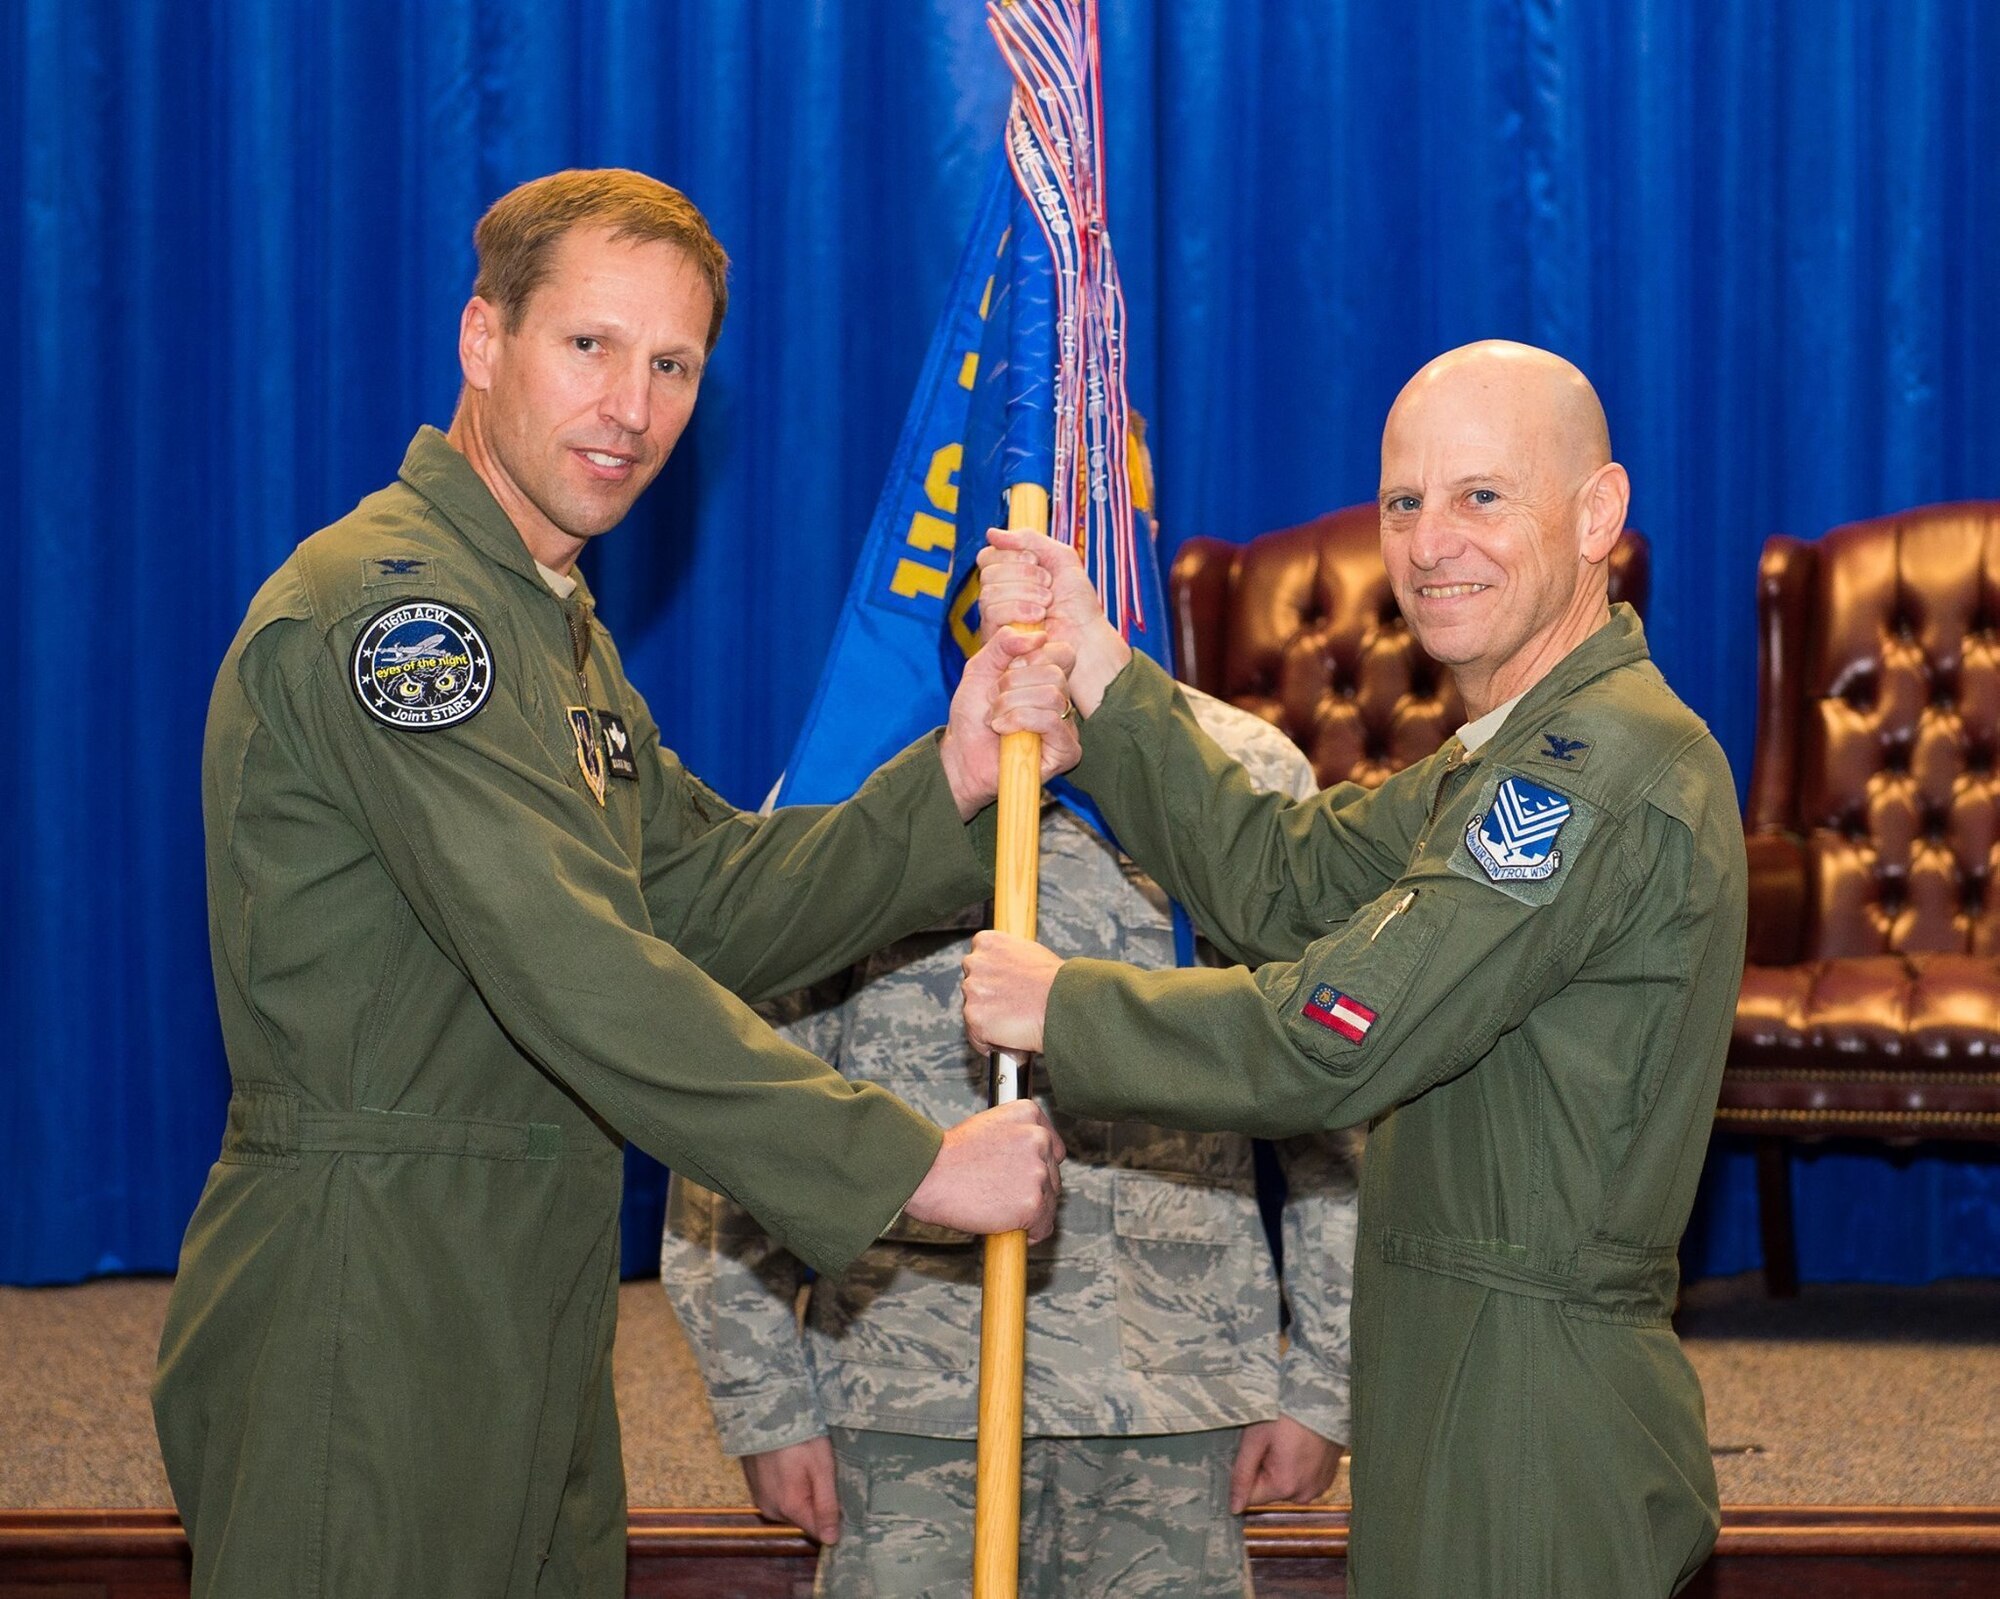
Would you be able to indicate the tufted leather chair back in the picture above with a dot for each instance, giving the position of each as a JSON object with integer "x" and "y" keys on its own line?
{"x": 1300, "y": 627}
{"x": 1878, "y": 731}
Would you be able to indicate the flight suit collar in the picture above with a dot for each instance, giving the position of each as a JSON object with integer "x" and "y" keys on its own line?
{"x": 434, "y": 467}
{"x": 1450, "y": 757}
{"x": 1620, "y": 642}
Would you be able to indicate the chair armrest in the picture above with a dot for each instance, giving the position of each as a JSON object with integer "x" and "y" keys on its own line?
{"x": 1198, "y": 587}
{"x": 1777, "y": 898}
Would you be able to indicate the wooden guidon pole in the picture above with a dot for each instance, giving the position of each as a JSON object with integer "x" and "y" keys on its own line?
{"x": 1003, "y": 1312}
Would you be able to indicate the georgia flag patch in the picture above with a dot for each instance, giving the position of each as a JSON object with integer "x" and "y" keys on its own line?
{"x": 1346, "y": 1016}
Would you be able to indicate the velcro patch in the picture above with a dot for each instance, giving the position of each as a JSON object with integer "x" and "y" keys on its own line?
{"x": 1515, "y": 841}
{"x": 589, "y": 749}
{"x": 1523, "y": 837}
{"x": 422, "y": 665}
{"x": 618, "y": 746}
{"x": 1344, "y": 1015}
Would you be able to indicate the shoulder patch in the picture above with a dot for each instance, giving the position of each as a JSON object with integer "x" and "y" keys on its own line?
{"x": 1523, "y": 837}
{"x": 1514, "y": 840}
{"x": 1570, "y": 751}
{"x": 422, "y": 665}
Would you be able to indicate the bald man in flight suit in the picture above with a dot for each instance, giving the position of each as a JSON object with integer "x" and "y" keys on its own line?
{"x": 1517, "y": 961}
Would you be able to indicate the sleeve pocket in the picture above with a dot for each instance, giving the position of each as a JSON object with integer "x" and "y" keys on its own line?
{"x": 1349, "y": 984}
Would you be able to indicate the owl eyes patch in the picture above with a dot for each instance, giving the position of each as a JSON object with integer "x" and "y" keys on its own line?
{"x": 421, "y": 665}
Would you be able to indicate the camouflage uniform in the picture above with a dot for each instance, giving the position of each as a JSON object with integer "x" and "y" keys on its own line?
{"x": 1143, "y": 1517}
{"x": 1153, "y": 1310}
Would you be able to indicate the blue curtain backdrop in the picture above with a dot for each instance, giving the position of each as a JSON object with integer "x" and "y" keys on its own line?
{"x": 238, "y": 240}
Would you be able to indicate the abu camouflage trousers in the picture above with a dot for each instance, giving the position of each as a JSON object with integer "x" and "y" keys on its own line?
{"x": 1138, "y": 1518}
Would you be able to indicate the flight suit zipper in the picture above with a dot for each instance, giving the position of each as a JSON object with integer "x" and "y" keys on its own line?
{"x": 585, "y": 724}
{"x": 578, "y": 619}
{"x": 1456, "y": 765}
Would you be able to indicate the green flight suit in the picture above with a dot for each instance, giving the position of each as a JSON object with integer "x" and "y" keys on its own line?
{"x": 452, "y": 982}
{"x": 1533, "y": 1017}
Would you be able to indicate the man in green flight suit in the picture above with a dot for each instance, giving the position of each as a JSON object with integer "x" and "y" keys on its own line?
{"x": 473, "y": 926}
{"x": 1517, "y": 960}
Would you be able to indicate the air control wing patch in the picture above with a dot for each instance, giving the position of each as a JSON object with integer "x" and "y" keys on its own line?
{"x": 421, "y": 666}
{"x": 1515, "y": 841}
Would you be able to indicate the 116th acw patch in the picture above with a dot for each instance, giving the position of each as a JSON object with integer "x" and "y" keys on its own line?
{"x": 1515, "y": 841}
{"x": 422, "y": 665}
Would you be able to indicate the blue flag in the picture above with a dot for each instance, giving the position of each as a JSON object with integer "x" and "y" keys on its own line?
{"x": 883, "y": 683}
{"x": 1024, "y": 382}
{"x": 983, "y": 417}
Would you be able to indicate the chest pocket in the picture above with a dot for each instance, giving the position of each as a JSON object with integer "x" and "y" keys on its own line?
{"x": 1195, "y": 1282}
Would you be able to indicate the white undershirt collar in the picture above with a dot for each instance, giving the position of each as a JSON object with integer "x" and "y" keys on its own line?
{"x": 1474, "y": 734}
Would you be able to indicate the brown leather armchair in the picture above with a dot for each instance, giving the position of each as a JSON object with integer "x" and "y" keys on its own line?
{"x": 1299, "y": 626}
{"x": 1871, "y": 1004}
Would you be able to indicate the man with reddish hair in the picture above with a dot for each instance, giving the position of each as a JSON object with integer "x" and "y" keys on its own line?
{"x": 474, "y": 926}
{"x": 518, "y": 236}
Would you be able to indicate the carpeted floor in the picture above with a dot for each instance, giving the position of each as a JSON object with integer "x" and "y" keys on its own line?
{"x": 1847, "y": 1395}
{"x": 1850, "y": 1394}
